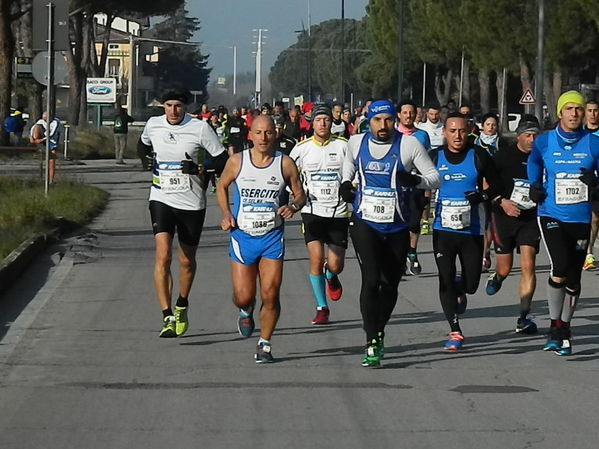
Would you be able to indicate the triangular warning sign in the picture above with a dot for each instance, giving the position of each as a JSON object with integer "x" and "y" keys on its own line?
{"x": 527, "y": 97}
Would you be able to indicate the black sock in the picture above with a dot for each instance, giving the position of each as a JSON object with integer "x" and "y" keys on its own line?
{"x": 411, "y": 250}
{"x": 523, "y": 313}
{"x": 167, "y": 312}
{"x": 182, "y": 302}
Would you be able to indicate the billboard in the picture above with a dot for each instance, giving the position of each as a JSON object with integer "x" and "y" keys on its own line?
{"x": 101, "y": 90}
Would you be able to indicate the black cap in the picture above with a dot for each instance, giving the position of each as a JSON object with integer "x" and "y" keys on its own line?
{"x": 321, "y": 109}
{"x": 180, "y": 94}
{"x": 528, "y": 124}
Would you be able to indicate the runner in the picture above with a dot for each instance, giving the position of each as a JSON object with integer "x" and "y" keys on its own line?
{"x": 325, "y": 216}
{"x": 406, "y": 114}
{"x": 339, "y": 126}
{"x": 514, "y": 221}
{"x": 235, "y": 132}
{"x": 382, "y": 160}
{"x": 260, "y": 176}
{"x": 283, "y": 143}
{"x": 562, "y": 171}
{"x": 460, "y": 220}
{"x": 591, "y": 118}
{"x": 178, "y": 199}
{"x": 433, "y": 125}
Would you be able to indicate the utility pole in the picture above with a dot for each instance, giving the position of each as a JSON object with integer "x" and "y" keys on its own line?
{"x": 50, "y": 93}
{"x": 540, "y": 58}
{"x": 342, "y": 52}
{"x": 309, "y": 50}
{"x": 400, "y": 51}
{"x": 258, "y": 90}
{"x": 234, "y": 70}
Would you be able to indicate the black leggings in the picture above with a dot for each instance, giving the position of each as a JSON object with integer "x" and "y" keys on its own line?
{"x": 418, "y": 202}
{"x": 468, "y": 248}
{"x": 382, "y": 259}
{"x": 566, "y": 245}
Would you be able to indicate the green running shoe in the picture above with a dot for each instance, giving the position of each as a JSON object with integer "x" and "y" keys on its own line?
{"x": 169, "y": 327}
{"x": 181, "y": 320}
{"x": 372, "y": 355}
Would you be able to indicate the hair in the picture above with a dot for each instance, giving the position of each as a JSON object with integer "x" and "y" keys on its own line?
{"x": 455, "y": 115}
{"x": 487, "y": 116}
{"x": 435, "y": 105}
{"x": 592, "y": 101}
{"x": 405, "y": 102}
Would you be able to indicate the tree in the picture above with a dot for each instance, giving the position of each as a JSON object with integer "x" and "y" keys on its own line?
{"x": 181, "y": 64}
{"x": 289, "y": 74}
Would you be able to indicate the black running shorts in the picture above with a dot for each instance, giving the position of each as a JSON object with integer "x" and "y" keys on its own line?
{"x": 510, "y": 233}
{"x": 332, "y": 231}
{"x": 187, "y": 223}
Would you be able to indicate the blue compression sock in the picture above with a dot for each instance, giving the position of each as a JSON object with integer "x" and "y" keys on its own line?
{"x": 317, "y": 283}
{"x": 328, "y": 274}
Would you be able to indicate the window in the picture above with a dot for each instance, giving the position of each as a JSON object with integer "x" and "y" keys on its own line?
{"x": 114, "y": 67}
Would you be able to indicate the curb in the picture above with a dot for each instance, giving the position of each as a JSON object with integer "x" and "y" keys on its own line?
{"x": 18, "y": 260}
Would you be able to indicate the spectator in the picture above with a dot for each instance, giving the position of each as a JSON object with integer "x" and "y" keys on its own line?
{"x": 121, "y": 130}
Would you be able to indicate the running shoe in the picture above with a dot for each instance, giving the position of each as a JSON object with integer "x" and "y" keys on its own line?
{"x": 322, "y": 316}
{"x": 526, "y": 325}
{"x": 425, "y": 228}
{"x": 486, "y": 264}
{"x": 493, "y": 284}
{"x": 589, "y": 262}
{"x": 565, "y": 347}
{"x": 554, "y": 340}
{"x": 181, "y": 322}
{"x": 263, "y": 353}
{"x": 245, "y": 324}
{"x": 169, "y": 328}
{"x": 381, "y": 343}
{"x": 372, "y": 356}
{"x": 413, "y": 266}
{"x": 333, "y": 288}
{"x": 455, "y": 341}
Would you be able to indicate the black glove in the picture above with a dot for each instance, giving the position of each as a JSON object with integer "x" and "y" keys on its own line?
{"x": 347, "y": 192}
{"x": 475, "y": 197}
{"x": 189, "y": 167}
{"x": 537, "y": 192}
{"x": 407, "y": 179}
{"x": 588, "y": 177}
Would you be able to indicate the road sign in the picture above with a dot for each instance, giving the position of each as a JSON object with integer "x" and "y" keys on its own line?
{"x": 39, "y": 67}
{"x": 40, "y": 25}
{"x": 527, "y": 97}
{"x": 101, "y": 90}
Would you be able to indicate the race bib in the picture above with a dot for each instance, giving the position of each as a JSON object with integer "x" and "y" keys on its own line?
{"x": 455, "y": 214}
{"x": 325, "y": 188}
{"x": 378, "y": 204}
{"x": 257, "y": 218}
{"x": 521, "y": 194}
{"x": 570, "y": 191}
{"x": 235, "y": 130}
{"x": 171, "y": 178}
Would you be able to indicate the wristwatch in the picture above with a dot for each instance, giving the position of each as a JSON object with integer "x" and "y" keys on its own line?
{"x": 295, "y": 207}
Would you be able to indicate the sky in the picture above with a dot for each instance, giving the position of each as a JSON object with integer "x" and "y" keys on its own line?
{"x": 225, "y": 23}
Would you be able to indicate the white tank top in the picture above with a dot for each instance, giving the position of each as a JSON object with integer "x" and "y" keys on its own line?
{"x": 258, "y": 193}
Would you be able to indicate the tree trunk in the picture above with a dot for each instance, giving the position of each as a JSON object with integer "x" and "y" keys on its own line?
{"x": 86, "y": 65}
{"x": 484, "y": 84}
{"x": 443, "y": 85}
{"x": 466, "y": 83}
{"x": 7, "y": 47}
{"x": 525, "y": 81}
{"x": 74, "y": 66}
{"x": 500, "y": 96}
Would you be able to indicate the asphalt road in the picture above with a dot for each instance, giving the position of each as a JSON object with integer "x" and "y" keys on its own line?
{"x": 81, "y": 364}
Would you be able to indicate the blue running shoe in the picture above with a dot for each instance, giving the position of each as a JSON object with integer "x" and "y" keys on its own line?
{"x": 493, "y": 284}
{"x": 565, "y": 347}
{"x": 554, "y": 340}
{"x": 526, "y": 326}
{"x": 245, "y": 324}
{"x": 455, "y": 342}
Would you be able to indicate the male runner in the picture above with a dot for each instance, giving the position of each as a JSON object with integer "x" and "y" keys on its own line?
{"x": 382, "y": 159}
{"x": 178, "y": 198}
{"x": 325, "y": 217}
{"x": 259, "y": 177}
{"x": 460, "y": 219}
{"x": 591, "y": 118}
{"x": 562, "y": 171}
{"x": 514, "y": 221}
{"x": 339, "y": 127}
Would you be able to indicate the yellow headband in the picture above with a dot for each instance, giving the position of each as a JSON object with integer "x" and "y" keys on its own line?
{"x": 570, "y": 96}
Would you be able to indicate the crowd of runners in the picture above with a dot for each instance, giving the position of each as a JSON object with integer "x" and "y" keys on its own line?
{"x": 381, "y": 175}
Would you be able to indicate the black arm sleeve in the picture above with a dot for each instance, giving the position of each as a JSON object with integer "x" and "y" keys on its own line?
{"x": 144, "y": 150}
{"x": 217, "y": 163}
{"x": 486, "y": 169}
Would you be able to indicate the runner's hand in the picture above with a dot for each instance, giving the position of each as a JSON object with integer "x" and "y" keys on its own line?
{"x": 286, "y": 211}
{"x": 228, "y": 222}
{"x": 537, "y": 192}
{"x": 408, "y": 179}
{"x": 588, "y": 177}
{"x": 347, "y": 192}
{"x": 189, "y": 167}
{"x": 475, "y": 197}
{"x": 510, "y": 208}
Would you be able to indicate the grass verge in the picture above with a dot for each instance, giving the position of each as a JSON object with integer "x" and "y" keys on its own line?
{"x": 25, "y": 211}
